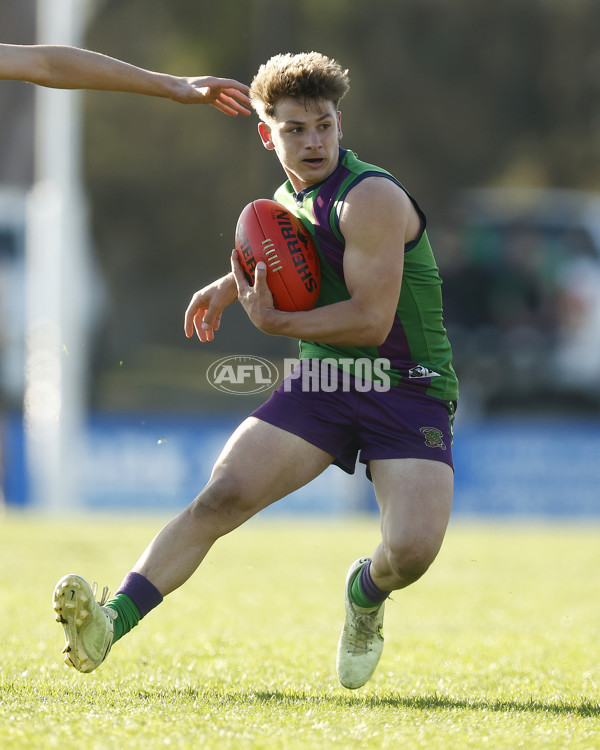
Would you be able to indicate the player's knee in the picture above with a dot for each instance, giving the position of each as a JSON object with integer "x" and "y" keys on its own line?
{"x": 408, "y": 561}
{"x": 222, "y": 502}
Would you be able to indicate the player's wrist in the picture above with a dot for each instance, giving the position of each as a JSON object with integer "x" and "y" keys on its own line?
{"x": 229, "y": 287}
{"x": 168, "y": 86}
{"x": 276, "y": 322}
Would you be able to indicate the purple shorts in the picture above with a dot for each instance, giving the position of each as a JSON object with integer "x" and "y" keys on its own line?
{"x": 398, "y": 423}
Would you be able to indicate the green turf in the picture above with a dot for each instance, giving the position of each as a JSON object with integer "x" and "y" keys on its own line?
{"x": 496, "y": 647}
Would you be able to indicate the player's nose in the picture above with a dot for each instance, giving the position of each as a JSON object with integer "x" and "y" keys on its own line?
{"x": 313, "y": 139}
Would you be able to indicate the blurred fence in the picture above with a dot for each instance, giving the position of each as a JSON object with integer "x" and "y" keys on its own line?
{"x": 522, "y": 467}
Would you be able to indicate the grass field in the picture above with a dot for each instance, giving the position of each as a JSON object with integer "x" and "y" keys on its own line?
{"x": 496, "y": 647}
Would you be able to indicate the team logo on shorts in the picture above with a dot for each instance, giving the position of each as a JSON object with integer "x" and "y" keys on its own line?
{"x": 434, "y": 438}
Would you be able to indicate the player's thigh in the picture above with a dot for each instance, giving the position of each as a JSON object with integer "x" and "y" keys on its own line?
{"x": 263, "y": 463}
{"x": 415, "y": 499}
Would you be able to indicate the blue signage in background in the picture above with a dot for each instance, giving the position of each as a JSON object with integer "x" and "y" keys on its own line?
{"x": 548, "y": 467}
{"x": 508, "y": 467}
{"x": 161, "y": 464}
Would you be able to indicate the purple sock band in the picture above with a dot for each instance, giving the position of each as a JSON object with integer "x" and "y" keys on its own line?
{"x": 142, "y": 593}
{"x": 369, "y": 589}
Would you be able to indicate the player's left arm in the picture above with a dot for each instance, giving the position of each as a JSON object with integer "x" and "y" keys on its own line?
{"x": 66, "y": 67}
{"x": 377, "y": 220}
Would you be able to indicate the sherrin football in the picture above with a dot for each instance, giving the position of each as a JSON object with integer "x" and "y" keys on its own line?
{"x": 269, "y": 232}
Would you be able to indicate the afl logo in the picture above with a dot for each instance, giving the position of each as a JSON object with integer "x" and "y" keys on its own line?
{"x": 242, "y": 375}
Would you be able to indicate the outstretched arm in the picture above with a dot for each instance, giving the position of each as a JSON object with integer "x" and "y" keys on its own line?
{"x": 73, "y": 68}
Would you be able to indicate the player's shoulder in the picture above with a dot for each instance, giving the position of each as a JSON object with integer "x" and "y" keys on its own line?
{"x": 377, "y": 192}
{"x": 372, "y": 207}
{"x": 371, "y": 180}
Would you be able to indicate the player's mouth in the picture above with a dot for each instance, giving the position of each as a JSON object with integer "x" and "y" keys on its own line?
{"x": 314, "y": 162}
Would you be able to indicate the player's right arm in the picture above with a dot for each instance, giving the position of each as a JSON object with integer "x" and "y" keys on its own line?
{"x": 203, "y": 314}
{"x": 73, "y": 68}
{"x": 376, "y": 220}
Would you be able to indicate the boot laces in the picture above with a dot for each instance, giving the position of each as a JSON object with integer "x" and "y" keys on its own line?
{"x": 362, "y": 634}
{"x": 104, "y": 597}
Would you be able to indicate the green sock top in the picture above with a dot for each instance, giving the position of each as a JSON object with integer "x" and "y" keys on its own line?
{"x": 128, "y": 615}
{"x": 357, "y": 595}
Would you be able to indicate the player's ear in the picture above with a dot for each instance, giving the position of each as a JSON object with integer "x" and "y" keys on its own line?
{"x": 265, "y": 135}
{"x": 339, "y": 125}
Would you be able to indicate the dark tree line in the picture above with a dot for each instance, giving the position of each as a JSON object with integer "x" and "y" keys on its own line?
{"x": 445, "y": 95}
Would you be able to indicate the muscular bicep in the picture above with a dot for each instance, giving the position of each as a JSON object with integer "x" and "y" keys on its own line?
{"x": 376, "y": 218}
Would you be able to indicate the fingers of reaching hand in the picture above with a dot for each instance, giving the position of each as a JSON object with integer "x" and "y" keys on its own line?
{"x": 233, "y": 102}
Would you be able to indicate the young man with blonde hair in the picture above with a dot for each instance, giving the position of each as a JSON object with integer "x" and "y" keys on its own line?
{"x": 380, "y": 300}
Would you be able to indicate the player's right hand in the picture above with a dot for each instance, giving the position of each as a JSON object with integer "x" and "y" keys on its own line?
{"x": 203, "y": 314}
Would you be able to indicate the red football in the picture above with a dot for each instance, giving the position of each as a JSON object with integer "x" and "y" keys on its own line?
{"x": 269, "y": 232}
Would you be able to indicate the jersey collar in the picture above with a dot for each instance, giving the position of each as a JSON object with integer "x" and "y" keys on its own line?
{"x": 299, "y": 197}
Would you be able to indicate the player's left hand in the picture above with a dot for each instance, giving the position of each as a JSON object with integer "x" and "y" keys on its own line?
{"x": 256, "y": 299}
{"x": 225, "y": 94}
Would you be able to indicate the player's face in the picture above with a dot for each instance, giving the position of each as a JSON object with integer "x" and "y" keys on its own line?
{"x": 306, "y": 139}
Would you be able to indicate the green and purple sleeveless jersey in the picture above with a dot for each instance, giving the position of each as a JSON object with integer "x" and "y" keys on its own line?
{"x": 417, "y": 347}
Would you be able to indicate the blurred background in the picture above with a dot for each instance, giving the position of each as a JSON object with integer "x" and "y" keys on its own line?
{"x": 489, "y": 114}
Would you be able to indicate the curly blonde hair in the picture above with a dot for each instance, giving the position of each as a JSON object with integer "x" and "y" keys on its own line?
{"x": 308, "y": 75}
